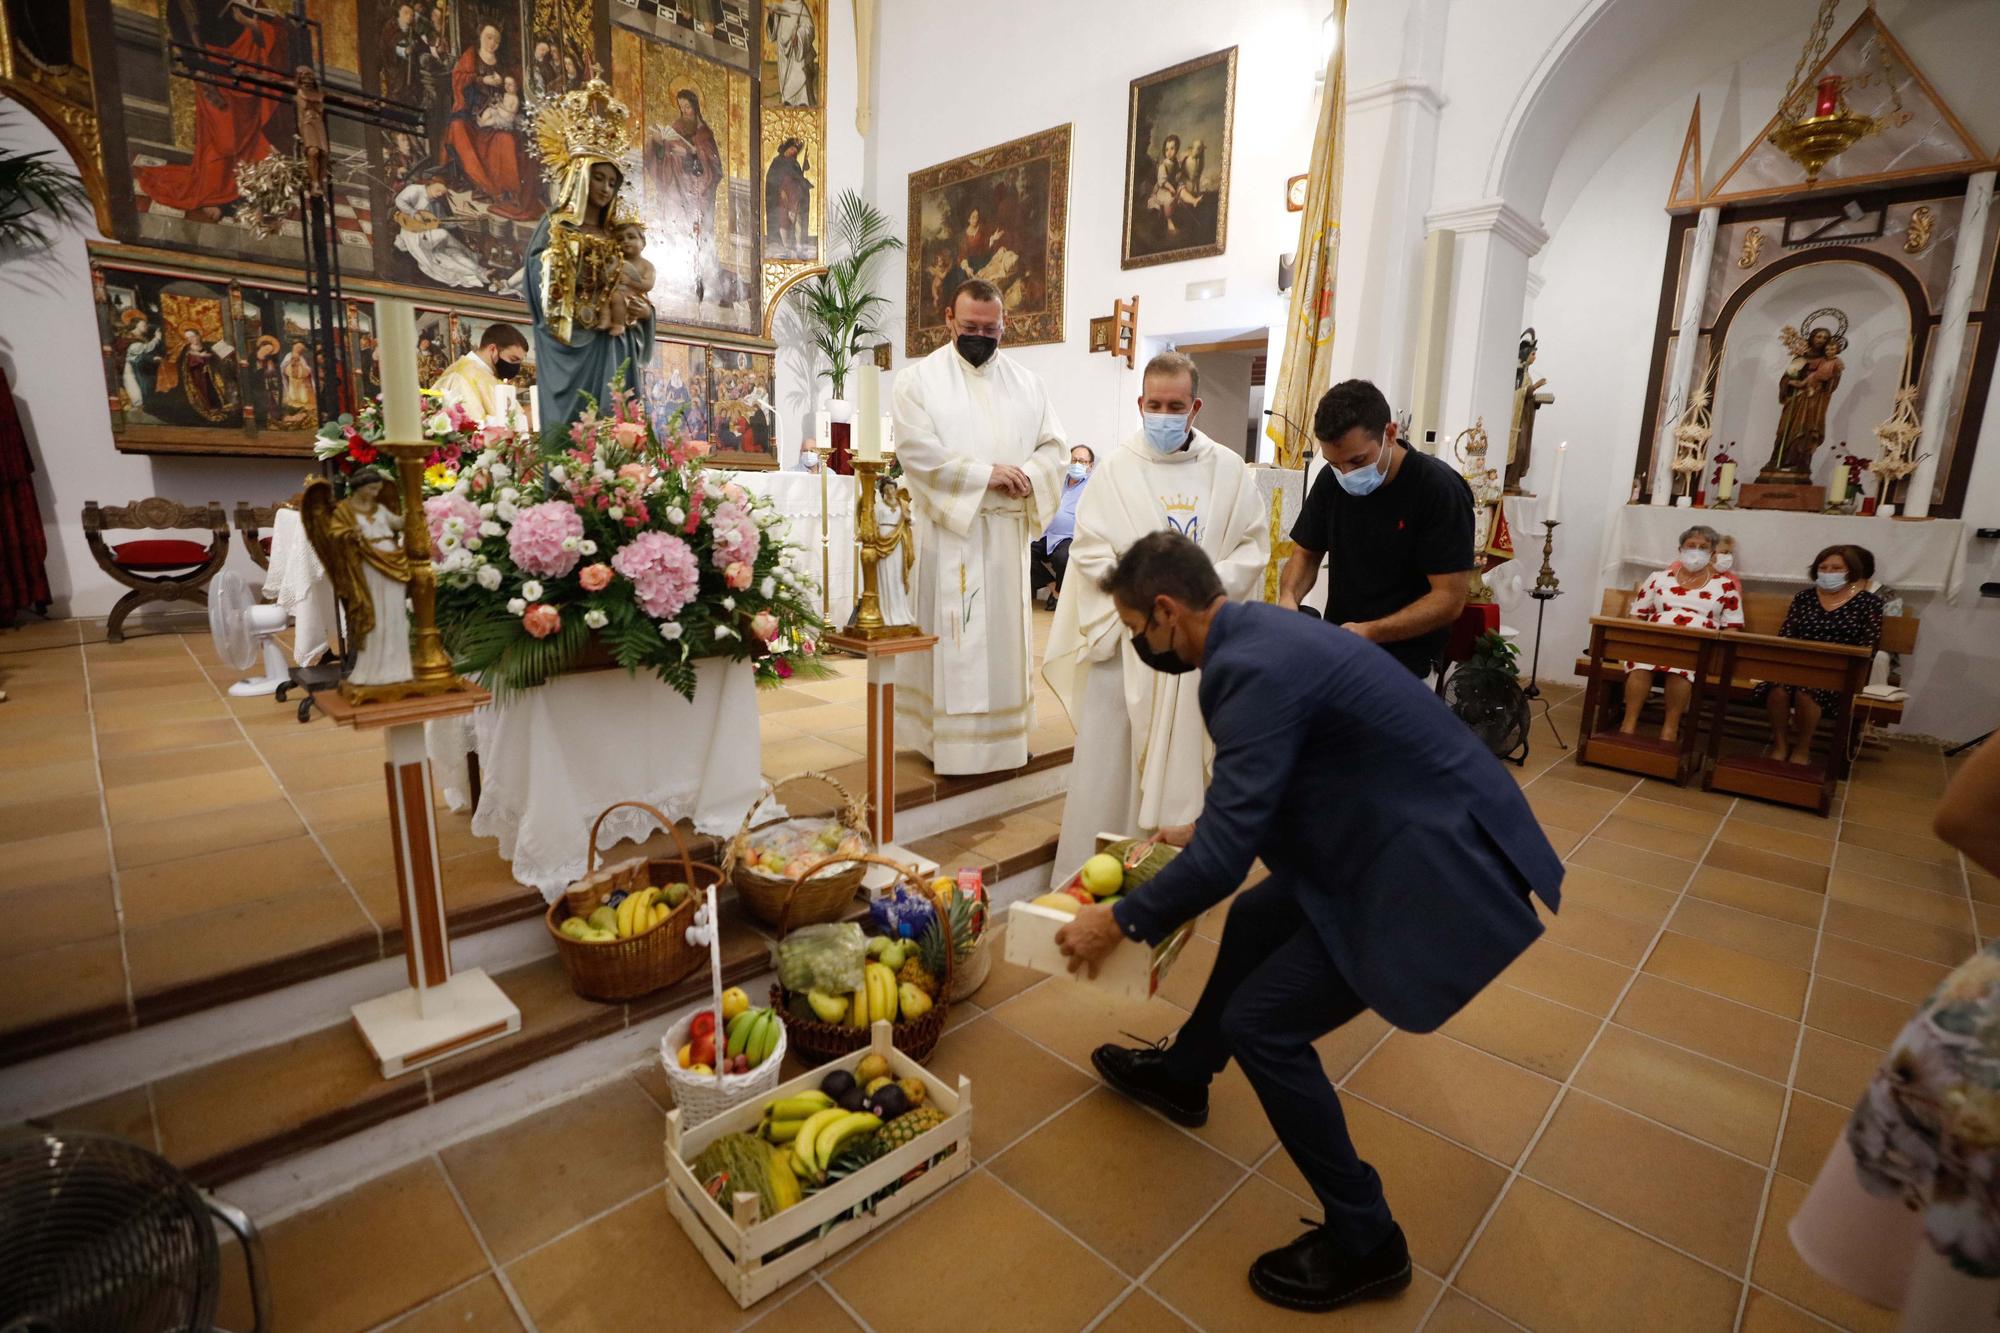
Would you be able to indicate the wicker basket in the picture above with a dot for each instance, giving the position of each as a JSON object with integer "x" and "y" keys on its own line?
{"x": 815, "y": 1042}
{"x": 651, "y": 960}
{"x": 978, "y": 963}
{"x": 769, "y": 897}
{"x": 705, "y": 1096}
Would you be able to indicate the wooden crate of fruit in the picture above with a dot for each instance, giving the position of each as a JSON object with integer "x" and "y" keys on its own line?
{"x": 872, "y": 1157}
{"x": 1131, "y": 970}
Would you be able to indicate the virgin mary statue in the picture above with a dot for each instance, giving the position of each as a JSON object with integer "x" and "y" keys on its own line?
{"x": 574, "y": 264}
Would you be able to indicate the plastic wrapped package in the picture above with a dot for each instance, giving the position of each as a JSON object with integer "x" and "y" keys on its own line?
{"x": 826, "y": 957}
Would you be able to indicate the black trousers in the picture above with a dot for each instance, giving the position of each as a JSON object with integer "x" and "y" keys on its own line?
{"x": 1274, "y": 992}
{"x": 1046, "y": 566}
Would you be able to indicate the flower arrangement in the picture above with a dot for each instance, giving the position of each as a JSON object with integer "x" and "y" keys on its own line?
{"x": 354, "y": 441}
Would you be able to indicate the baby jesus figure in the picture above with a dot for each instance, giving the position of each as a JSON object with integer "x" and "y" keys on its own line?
{"x": 634, "y": 280}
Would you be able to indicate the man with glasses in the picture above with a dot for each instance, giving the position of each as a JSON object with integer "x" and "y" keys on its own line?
{"x": 475, "y": 381}
{"x": 983, "y": 456}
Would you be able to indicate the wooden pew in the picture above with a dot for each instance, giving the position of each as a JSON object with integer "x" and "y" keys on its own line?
{"x": 1802, "y": 664}
{"x": 1615, "y": 640}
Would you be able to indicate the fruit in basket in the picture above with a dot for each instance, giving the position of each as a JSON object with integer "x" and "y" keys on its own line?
{"x": 675, "y": 894}
{"x": 800, "y": 1105}
{"x": 744, "y": 1164}
{"x": 892, "y": 955}
{"x": 871, "y": 1067}
{"x": 605, "y": 918}
{"x": 702, "y": 1049}
{"x": 1102, "y": 874}
{"x": 890, "y": 1102}
{"x": 875, "y": 1085}
{"x": 915, "y": 1003}
{"x": 879, "y": 984}
{"x": 942, "y": 885}
{"x": 857, "y": 1012}
{"x": 1078, "y": 892}
{"x": 827, "y": 1008}
{"x": 851, "y": 1100}
{"x": 836, "y": 1082}
{"x": 830, "y": 1136}
{"x": 876, "y": 944}
{"x": 751, "y": 1037}
{"x": 927, "y": 969}
{"x": 734, "y": 1002}
{"x": 702, "y": 1024}
{"x": 701, "y": 1070}
{"x": 1058, "y": 902}
{"x": 914, "y": 1089}
{"x": 907, "y": 1126}
{"x": 684, "y": 1057}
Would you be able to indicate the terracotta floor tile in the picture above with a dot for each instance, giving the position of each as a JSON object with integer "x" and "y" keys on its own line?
{"x": 1341, "y": 1049}
{"x": 1088, "y": 1192}
{"x": 1748, "y": 932}
{"x": 1004, "y": 980}
{"x": 1893, "y": 974}
{"x": 1718, "y": 1104}
{"x": 1835, "y": 1068}
{"x": 1466, "y": 1095}
{"x": 1658, "y": 870}
{"x": 1667, "y": 1185}
{"x": 27, "y": 781}
{"x": 1437, "y": 1190}
{"x": 1692, "y": 798}
{"x": 1647, "y": 836}
{"x": 1730, "y": 973}
{"x": 344, "y": 807}
{"x": 1537, "y": 1034}
{"x": 134, "y": 741}
{"x": 367, "y": 1256}
{"x": 1606, "y": 1276}
{"x": 1736, "y": 1034}
{"x": 1985, "y": 888}
{"x": 1601, "y": 891}
{"x": 175, "y": 838}
{"x": 1815, "y": 846}
{"x": 528, "y": 1182}
{"x": 1207, "y": 1278}
{"x": 49, "y": 740}
{"x": 170, "y": 798}
{"x": 1073, "y": 1020}
{"x": 1781, "y": 869}
{"x": 1602, "y": 779}
{"x": 45, "y": 818}
{"x": 1780, "y": 1268}
{"x": 184, "y": 949}
{"x": 169, "y": 890}
{"x": 1237, "y": 1126}
{"x": 127, "y": 1115}
{"x": 1563, "y": 840}
{"x": 1765, "y": 1313}
{"x": 1023, "y": 1274}
{"x": 478, "y": 1307}
{"x": 1911, "y": 843}
{"x": 1899, "y": 934}
{"x": 54, "y": 983}
{"x": 53, "y": 914}
{"x": 1141, "y": 1312}
{"x": 1937, "y": 878}
{"x": 1613, "y": 938}
{"x": 1891, "y": 811}
{"x": 1812, "y": 1126}
{"x": 1781, "y": 817}
{"x": 191, "y": 766}
{"x": 34, "y": 634}
{"x": 1751, "y": 894}
{"x": 1459, "y": 1313}
{"x": 1553, "y": 810}
{"x": 56, "y": 859}
{"x": 1579, "y": 980}
{"x": 1697, "y": 824}
{"x": 1016, "y": 1083}
{"x": 317, "y": 773}
{"x": 1884, "y": 895}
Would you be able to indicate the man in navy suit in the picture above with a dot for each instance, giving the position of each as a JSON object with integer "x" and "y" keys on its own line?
{"x": 1402, "y": 861}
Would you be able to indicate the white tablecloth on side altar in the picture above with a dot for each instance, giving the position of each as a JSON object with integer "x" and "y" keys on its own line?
{"x": 552, "y": 758}
{"x": 297, "y": 581}
{"x": 1775, "y": 546}
{"x": 796, "y": 495}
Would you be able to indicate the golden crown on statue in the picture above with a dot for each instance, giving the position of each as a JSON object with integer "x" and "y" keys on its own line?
{"x": 586, "y": 122}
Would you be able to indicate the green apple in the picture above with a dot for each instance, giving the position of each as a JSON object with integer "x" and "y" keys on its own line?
{"x": 605, "y": 918}
{"x": 1103, "y": 875}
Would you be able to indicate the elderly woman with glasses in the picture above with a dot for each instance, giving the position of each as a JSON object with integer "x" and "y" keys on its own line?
{"x": 1688, "y": 593}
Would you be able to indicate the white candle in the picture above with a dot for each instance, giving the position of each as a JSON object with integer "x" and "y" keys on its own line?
{"x": 1554, "y": 512}
{"x": 534, "y": 407}
{"x": 402, "y": 406}
{"x": 1838, "y": 491}
{"x": 823, "y": 432}
{"x": 868, "y": 415}
{"x": 1725, "y": 482}
{"x": 888, "y": 433}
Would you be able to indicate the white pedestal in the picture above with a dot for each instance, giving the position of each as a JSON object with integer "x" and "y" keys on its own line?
{"x": 411, "y": 1028}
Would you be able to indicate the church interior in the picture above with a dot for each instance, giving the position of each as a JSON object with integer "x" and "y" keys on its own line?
{"x": 1665, "y": 284}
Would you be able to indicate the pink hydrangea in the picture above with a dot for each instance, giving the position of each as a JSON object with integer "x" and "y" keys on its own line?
{"x": 536, "y": 539}
{"x": 450, "y": 505}
{"x": 663, "y": 571}
{"x": 736, "y": 535}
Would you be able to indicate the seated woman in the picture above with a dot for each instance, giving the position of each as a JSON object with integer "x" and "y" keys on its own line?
{"x": 1836, "y": 609}
{"x": 1689, "y": 593}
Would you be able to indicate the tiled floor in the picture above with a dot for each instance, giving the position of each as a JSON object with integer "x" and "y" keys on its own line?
{"x": 163, "y": 843}
{"x": 1614, "y": 1136}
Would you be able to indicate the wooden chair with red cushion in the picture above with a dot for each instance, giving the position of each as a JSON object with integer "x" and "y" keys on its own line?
{"x": 254, "y": 523}
{"x": 156, "y": 569}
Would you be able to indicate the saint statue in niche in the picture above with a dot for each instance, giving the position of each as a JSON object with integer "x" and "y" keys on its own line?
{"x": 1528, "y": 399}
{"x": 1805, "y": 388}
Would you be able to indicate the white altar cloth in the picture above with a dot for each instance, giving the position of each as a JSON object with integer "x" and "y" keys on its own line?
{"x": 796, "y": 495}
{"x": 1775, "y": 546}
{"x": 552, "y": 758}
{"x": 297, "y": 581}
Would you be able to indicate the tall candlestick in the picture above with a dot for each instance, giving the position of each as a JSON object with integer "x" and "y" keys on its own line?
{"x": 1554, "y": 513}
{"x": 868, "y": 414}
{"x": 402, "y": 405}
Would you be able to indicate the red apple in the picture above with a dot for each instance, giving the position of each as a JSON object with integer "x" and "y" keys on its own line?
{"x": 703, "y": 1025}
{"x": 703, "y": 1049}
{"x": 1078, "y": 892}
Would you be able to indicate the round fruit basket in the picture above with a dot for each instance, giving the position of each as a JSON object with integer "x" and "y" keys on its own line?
{"x": 818, "y": 1039}
{"x": 647, "y": 957}
{"x": 822, "y": 893}
{"x": 705, "y": 1096}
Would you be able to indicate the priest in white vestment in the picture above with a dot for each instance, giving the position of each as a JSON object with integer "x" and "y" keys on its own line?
{"x": 1142, "y": 750}
{"x": 983, "y": 457}
{"x": 479, "y": 381}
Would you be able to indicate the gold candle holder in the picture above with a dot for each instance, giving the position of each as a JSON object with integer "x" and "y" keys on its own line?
{"x": 870, "y": 548}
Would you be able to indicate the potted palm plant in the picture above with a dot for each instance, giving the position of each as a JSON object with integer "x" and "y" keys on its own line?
{"x": 839, "y": 305}
{"x": 37, "y": 195}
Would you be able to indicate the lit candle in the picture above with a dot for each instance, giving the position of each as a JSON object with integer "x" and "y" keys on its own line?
{"x": 1838, "y": 491}
{"x": 1828, "y": 99}
{"x": 402, "y": 405}
{"x": 1554, "y": 512}
{"x": 1725, "y": 483}
{"x": 868, "y": 415}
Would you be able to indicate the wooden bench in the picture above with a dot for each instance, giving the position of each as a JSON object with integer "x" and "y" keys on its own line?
{"x": 1801, "y": 664}
{"x": 1615, "y": 640}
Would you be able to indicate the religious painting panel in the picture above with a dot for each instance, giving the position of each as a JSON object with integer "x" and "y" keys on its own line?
{"x": 790, "y": 72}
{"x": 743, "y": 417}
{"x": 697, "y": 190}
{"x": 792, "y": 160}
{"x": 1001, "y": 214}
{"x": 364, "y": 356}
{"x": 434, "y": 347}
{"x": 281, "y": 371}
{"x": 675, "y": 388}
{"x": 718, "y": 29}
{"x": 1177, "y": 153}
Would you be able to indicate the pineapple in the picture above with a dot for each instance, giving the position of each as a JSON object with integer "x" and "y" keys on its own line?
{"x": 926, "y": 971}
{"x": 907, "y": 1126}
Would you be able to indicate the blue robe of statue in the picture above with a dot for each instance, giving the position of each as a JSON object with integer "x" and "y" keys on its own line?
{"x": 588, "y": 363}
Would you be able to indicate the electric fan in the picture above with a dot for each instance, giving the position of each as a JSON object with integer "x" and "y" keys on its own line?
{"x": 1491, "y": 702}
{"x": 239, "y": 622}
{"x": 99, "y": 1234}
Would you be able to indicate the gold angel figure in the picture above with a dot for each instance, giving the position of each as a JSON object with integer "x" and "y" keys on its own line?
{"x": 892, "y": 530}
{"x": 360, "y": 541}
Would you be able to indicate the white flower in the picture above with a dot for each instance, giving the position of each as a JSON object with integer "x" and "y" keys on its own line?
{"x": 769, "y": 587}
{"x": 487, "y": 511}
{"x": 509, "y": 494}
{"x": 463, "y": 486}
{"x": 455, "y": 526}
{"x": 729, "y": 603}
{"x": 440, "y": 424}
{"x": 670, "y": 630}
{"x": 676, "y": 515}
{"x": 500, "y": 471}
{"x": 710, "y": 489}
{"x": 571, "y": 543}
{"x": 448, "y": 541}
{"x": 559, "y": 474}
{"x": 489, "y": 528}
{"x": 587, "y": 547}
{"x": 615, "y": 513}
{"x": 487, "y": 458}
{"x": 724, "y": 632}
{"x": 532, "y": 590}
{"x": 474, "y": 543}
{"x": 489, "y": 577}
{"x": 595, "y": 618}
{"x": 517, "y": 606}
{"x": 505, "y": 511}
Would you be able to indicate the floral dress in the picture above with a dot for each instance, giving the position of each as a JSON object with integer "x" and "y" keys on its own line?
{"x": 1856, "y": 621}
{"x": 1665, "y": 600}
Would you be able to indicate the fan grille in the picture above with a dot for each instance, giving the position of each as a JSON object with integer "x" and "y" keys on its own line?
{"x": 1492, "y": 704}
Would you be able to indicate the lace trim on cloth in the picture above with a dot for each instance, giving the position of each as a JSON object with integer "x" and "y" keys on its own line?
{"x": 552, "y": 870}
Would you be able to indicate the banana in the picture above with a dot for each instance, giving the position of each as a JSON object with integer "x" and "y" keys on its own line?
{"x": 782, "y": 1131}
{"x": 739, "y": 1032}
{"x": 837, "y": 1132}
{"x": 660, "y": 913}
{"x": 857, "y": 1013}
{"x": 626, "y": 907}
{"x": 881, "y": 984}
{"x": 784, "y": 1183}
{"x": 809, "y": 1132}
{"x": 799, "y": 1106}
{"x": 767, "y": 1038}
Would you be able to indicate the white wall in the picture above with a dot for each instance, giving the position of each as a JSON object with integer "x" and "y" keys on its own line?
{"x": 1225, "y": 395}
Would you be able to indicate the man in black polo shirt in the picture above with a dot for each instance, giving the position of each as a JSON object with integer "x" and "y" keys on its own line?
{"x": 1398, "y": 525}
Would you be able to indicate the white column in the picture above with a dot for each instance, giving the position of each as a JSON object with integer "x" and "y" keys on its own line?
{"x": 1680, "y": 378}
{"x": 1489, "y": 297}
{"x": 1948, "y": 348}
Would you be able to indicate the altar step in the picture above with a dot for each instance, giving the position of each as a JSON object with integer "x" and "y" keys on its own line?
{"x": 303, "y": 1114}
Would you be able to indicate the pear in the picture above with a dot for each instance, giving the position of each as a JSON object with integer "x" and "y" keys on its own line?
{"x": 915, "y": 1003}
{"x": 894, "y": 956}
{"x": 604, "y": 918}
{"x": 876, "y": 944}
{"x": 872, "y": 1067}
{"x": 827, "y": 1008}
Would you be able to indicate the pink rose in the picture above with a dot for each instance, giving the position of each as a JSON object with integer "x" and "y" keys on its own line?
{"x": 764, "y": 625}
{"x": 737, "y": 576}
{"x": 628, "y": 433}
{"x": 595, "y": 578}
{"x": 637, "y": 473}
{"x": 541, "y": 620}
{"x": 806, "y": 647}
{"x": 782, "y": 667}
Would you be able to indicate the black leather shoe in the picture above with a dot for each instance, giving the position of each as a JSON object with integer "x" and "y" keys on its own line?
{"x": 1319, "y": 1272}
{"x": 1140, "y": 1073}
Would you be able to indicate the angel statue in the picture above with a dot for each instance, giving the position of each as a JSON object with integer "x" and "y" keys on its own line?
{"x": 360, "y": 541}
{"x": 893, "y": 531}
{"x": 1804, "y": 390}
{"x": 577, "y": 265}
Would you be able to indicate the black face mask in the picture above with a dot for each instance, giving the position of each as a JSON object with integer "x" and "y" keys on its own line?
{"x": 976, "y": 348}
{"x": 1163, "y": 660}
{"x": 506, "y": 369}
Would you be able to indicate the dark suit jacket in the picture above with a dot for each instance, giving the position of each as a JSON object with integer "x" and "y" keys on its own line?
{"x": 1411, "y": 850}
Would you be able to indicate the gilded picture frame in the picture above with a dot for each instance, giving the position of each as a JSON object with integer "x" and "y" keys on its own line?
{"x": 1179, "y": 127}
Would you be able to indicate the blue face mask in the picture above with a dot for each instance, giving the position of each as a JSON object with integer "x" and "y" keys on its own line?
{"x": 1078, "y": 471}
{"x": 1363, "y": 480}
{"x": 1830, "y": 581}
{"x": 1166, "y": 431}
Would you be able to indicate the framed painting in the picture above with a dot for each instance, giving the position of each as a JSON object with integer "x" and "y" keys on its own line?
{"x": 676, "y": 390}
{"x": 792, "y": 139}
{"x": 743, "y": 421}
{"x": 721, "y": 30}
{"x": 1177, "y": 153}
{"x": 434, "y": 346}
{"x": 1001, "y": 214}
